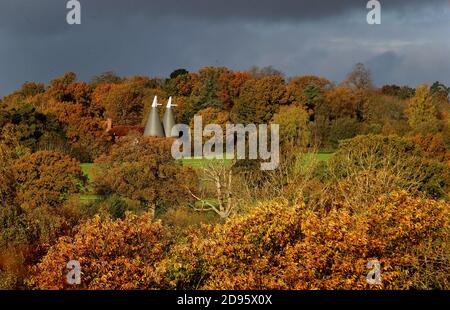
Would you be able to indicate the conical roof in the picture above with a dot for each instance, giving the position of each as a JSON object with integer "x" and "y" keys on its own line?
{"x": 169, "y": 119}
{"x": 154, "y": 126}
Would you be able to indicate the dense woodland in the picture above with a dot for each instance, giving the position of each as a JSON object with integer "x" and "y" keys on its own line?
{"x": 138, "y": 219}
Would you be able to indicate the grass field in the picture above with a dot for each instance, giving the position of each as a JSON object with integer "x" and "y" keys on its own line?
{"x": 202, "y": 162}
{"x": 196, "y": 163}
{"x": 324, "y": 156}
{"x": 86, "y": 168}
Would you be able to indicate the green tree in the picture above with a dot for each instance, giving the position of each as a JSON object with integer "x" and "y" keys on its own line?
{"x": 308, "y": 91}
{"x": 210, "y": 89}
{"x": 30, "y": 127}
{"x": 178, "y": 72}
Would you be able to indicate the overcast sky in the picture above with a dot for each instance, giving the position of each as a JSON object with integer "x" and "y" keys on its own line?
{"x": 154, "y": 37}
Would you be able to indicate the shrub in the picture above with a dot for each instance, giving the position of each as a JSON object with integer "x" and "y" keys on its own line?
{"x": 434, "y": 146}
{"x": 117, "y": 254}
{"x": 239, "y": 254}
{"x": 24, "y": 238}
{"x": 336, "y": 246}
{"x": 278, "y": 246}
{"x": 369, "y": 166}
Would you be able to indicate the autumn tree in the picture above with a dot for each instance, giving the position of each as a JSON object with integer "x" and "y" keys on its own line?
{"x": 294, "y": 125}
{"x": 143, "y": 169}
{"x": 422, "y": 113}
{"x": 46, "y": 179}
{"x": 109, "y": 77}
{"x": 124, "y": 103}
{"x": 182, "y": 85}
{"x": 433, "y": 146}
{"x": 359, "y": 78}
{"x": 308, "y": 91}
{"x": 230, "y": 86}
{"x": 6, "y": 175}
{"x": 66, "y": 89}
{"x": 33, "y": 209}
{"x": 31, "y": 127}
{"x": 337, "y": 116}
{"x": 88, "y": 138}
{"x": 341, "y": 102}
{"x": 259, "y": 100}
{"x": 263, "y": 72}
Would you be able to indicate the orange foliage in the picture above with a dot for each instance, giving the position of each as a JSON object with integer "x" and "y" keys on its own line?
{"x": 433, "y": 146}
{"x": 277, "y": 246}
{"x": 113, "y": 255}
{"x": 46, "y": 179}
{"x": 143, "y": 169}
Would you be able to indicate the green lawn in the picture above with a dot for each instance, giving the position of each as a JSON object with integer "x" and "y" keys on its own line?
{"x": 88, "y": 197}
{"x": 86, "y": 168}
{"x": 192, "y": 162}
{"x": 196, "y": 163}
{"x": 324, "y": 156}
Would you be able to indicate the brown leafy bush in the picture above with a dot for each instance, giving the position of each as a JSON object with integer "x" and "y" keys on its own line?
{"x": 366, "y": 167}
{"x": 434, "y": 146}
{"x": 278, "y": 246}
{"x": 113, "y": 255}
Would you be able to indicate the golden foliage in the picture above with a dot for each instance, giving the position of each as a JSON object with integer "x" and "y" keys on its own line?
{"x": 46, "y": 179}
{"x": 113, "y": 255}
{"x": 277, "y": 246}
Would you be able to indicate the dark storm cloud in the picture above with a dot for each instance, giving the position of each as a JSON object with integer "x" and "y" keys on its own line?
{"x": 154, "y": 37}
{"x": 263, "y": 10}
{"x": 44, "y": 16}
